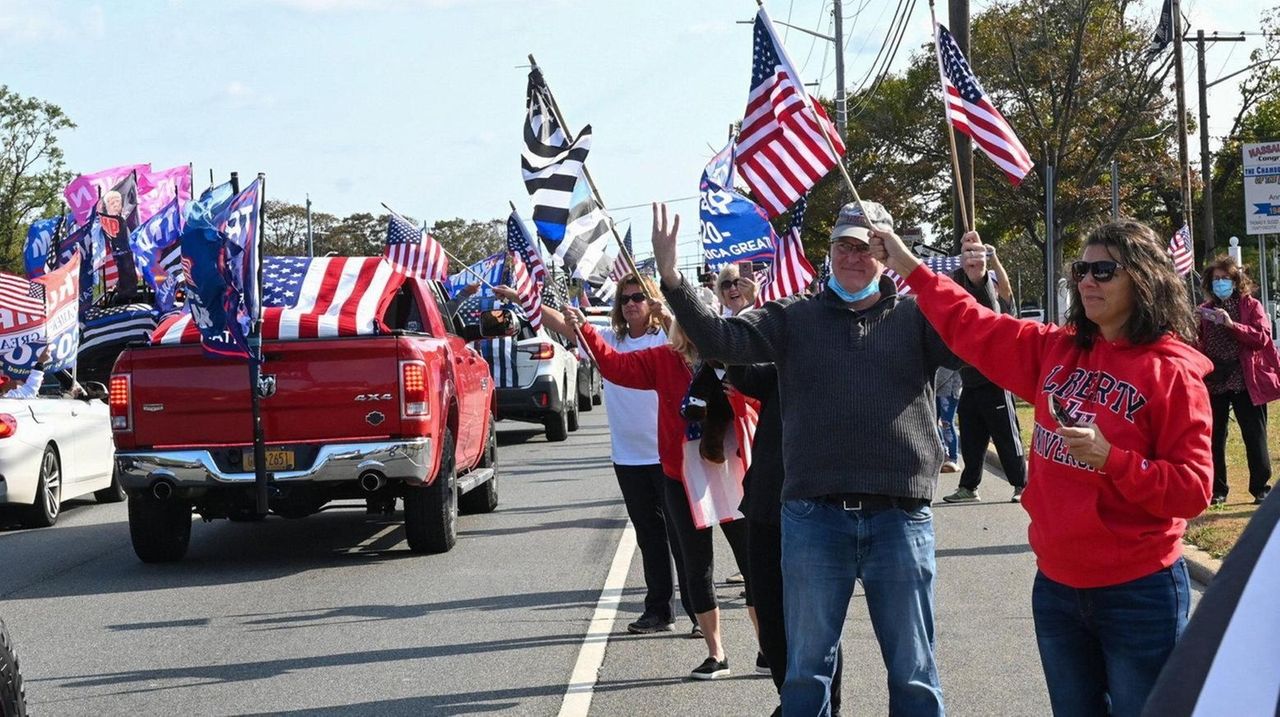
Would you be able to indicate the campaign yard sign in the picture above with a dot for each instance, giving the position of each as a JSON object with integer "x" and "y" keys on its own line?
{"x": 1262, "y": 188}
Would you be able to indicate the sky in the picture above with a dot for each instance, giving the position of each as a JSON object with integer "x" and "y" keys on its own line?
{"x": 420, "y": 103}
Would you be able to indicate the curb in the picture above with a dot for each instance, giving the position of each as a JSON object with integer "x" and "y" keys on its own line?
{"x": 1202, "y": 566}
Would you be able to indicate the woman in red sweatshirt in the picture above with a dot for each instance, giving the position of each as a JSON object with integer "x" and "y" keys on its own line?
{"x": 668, "y": 370}
{"x": 1120, "y": 454}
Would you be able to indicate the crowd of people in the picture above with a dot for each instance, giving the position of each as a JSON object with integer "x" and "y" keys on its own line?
{"x": 1130, "y": 396}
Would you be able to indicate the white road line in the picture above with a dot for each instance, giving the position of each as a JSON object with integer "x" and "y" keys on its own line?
{"x": 375, "y": 538}
{"x": 582, "y": 683}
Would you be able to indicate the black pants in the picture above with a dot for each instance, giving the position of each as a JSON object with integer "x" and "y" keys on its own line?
{"x": 986, "y": 415}
{"x": 766, "y": 595}
{"x": 1253, "y": 430}
{"x": 697, "y": 581}
{"x": 642, "y": 492}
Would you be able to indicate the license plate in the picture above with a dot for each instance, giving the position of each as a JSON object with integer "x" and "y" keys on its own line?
{"x": 276, "y": 460}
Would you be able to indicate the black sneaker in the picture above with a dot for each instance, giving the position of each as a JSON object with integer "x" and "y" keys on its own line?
{"x": 696, "y": 632}
{"x": 762, "y": 665}
{"x": 1218, "y": 500}
{"x": 648, "y": 624}
{"x": 1261, "y": 495}
{"x": 711, "y": 669}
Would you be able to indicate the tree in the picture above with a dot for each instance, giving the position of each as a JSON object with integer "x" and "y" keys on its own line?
{"x": 470, "y": 240}
{"x": 32, "y": 173}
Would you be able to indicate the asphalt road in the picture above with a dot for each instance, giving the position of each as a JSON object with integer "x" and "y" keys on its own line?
{"x": 332, "y": 615}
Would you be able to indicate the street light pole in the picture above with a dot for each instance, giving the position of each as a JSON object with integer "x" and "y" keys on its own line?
{"x": 842, "y": 111}
{"x": 1206, "y": 161}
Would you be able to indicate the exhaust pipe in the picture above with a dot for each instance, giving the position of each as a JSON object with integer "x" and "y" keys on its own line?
{"x": 162, "y": 489}
{"x": 372, "y": 481}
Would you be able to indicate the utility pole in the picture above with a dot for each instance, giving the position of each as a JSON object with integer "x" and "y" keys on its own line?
{"x": 1206, "y": 161}
{"x": 1184, "y": 168}
{"x": 1115, "y": 191}
{"x": 842, "y": 111}
{"x": 958, "y": 16}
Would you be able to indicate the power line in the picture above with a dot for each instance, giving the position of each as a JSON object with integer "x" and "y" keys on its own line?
{"x": 862, "y": 84}
{"x": 884, "y": 72}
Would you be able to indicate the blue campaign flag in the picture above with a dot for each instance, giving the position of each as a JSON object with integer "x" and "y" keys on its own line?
{"x": 40, "y": 241}
{"x": 220, "y": 261}
{"x": 733, "y": 228}
{"x": 87, "y": 241}
{"x": 150, "y": 241}
{"x": 488, "y": 269}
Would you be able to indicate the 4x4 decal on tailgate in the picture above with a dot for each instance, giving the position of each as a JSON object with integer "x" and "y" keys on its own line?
{"x": 373, "y": 397}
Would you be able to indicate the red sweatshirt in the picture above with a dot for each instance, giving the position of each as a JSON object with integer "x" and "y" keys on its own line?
{"x": 658, "y": 369}
{"x": 1092, "y": 528}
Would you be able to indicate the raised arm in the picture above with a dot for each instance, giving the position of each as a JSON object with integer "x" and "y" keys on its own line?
{"x": 635, "y": 369}
{"x": 755, "y": 337}
{"x": 1003, "y": 288}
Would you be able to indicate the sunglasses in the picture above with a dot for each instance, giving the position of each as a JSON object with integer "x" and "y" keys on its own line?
{"x": 729, "y": 283}
{"x": 637, "y": 297}
{"x": 1102, "y": 271}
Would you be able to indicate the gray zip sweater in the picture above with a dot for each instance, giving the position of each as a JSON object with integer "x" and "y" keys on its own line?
{"x": 856, "y": 387}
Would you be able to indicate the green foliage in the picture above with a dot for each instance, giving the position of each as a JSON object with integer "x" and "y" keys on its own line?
{"x": 470, "y": 240}
{"x": 32, "y": 173}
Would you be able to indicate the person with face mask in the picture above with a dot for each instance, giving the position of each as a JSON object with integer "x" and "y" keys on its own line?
{"x": 1236, "y": 336}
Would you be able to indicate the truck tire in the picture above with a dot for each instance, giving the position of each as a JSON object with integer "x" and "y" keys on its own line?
{"x": 13, "y": 698}
{"x": 431, "y": 511}
{"x": 160, "y": 529}
{"x": 484, "y": 498}
{"x": 48, "y": 504}
{"x": 113, "y": 493}
{"x": 557, "y": 424}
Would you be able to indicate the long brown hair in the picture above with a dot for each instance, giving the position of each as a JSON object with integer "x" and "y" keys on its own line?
{"x": 1161, "y": 303}
{"x": 616, "y": 320}
{"x": 1235, "y": 271}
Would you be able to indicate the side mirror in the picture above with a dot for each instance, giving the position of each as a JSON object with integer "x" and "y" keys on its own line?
{"x": 94, "y": 389}
{"x": 497, "y": 323}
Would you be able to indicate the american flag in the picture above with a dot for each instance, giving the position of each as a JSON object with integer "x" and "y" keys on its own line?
{"x": 781, "y": 150}
{"x": 415, "y": 251}
{"x": 1184, "y": 258}
{"x": 21, "y": 302}
{"x": 527, "y": 270}
{"x": 970, "y": 112}
{"x": 499, "y": 352}
{"x": 311, "y": 298}
{"x": 620, "y": 268}
{"x": 939, "y": 265}
{"x": 791, "y": 272}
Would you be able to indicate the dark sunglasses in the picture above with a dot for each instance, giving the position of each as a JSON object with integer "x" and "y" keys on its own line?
{"x": 637, "y": 297}
{"x": 729, "y": 284}
{"x": 1103, "y": 271}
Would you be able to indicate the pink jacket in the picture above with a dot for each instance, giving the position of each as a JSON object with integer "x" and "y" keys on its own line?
{"x": 1258, "y": 357}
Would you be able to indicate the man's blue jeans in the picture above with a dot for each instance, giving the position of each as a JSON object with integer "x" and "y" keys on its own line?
{"x": 825, "y": 550}
{"x": 1103, "y": 646}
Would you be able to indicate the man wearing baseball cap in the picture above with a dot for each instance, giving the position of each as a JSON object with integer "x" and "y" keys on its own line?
{"x": 860, "y": 454}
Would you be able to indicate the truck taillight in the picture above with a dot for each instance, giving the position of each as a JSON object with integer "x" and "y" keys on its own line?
{"x": 118, "y": 401}
{"x": 413, "y": 389}
{"x": 8, "y": 425}
{"x": 540, "y": 350}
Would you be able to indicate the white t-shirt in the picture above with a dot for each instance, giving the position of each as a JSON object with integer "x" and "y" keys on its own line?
{"x": 633, "y": 414}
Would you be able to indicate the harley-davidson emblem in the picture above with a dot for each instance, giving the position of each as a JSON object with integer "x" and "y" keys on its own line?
{"x": 375, "y": 418}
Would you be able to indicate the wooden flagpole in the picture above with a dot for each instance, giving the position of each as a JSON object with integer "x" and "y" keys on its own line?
{"x": 466, "y": 267}
{"x": 951, "y": 130}
{"x": 555, "y": 110}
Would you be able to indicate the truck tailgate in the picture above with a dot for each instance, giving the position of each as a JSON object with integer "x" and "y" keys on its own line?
{"x": 326, "y": 389}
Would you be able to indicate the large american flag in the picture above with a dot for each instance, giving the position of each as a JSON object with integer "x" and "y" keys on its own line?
{"x": 1180, "y": 251}
{"x": 791, "y": 272}
{"x": 311, "y": 298}
{"x": 415, "y": 251}
{"x": 527, "y": 270}
{"x": 781, "y": 150}
{"x": 970, "y": 112}
{"x": 939, "y": 265}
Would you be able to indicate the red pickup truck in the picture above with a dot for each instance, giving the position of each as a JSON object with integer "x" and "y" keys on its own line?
{"x": 404, "y": 413}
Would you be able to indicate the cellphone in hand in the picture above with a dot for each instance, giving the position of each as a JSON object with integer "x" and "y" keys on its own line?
{"x": 1060, "y": 413}
{"x": 746, "y": 270}
{"x": 1208, "y": 314}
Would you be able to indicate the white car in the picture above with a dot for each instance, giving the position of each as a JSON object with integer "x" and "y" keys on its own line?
{"x": 53, "y": 448}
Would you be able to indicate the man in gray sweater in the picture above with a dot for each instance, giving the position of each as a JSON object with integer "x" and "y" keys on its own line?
{"x": 860, "y": 451}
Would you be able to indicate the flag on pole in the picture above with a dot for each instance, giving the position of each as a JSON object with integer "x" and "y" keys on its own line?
{"x": 1163, "y": 34}
{"x": 62, "y": 314}
{"x": 528, "y": 273}
{"x": 971, "y": 112}
{"x": 83, "y": 192}
{"x": 550, "y": 163}
{"x": 486, "y": 271}
{"x": 938, "y": 264}
{"x": 620, "y": 267}
{"x": 415, "y": 251}
{"x": 781, "y": 149}
{"x": 42, "y": 238}
{"x": 153, "y": 239}
{"x": 733, "y": 228}
{"x": 157, "y": 189}
{"x": 1180, "y": 251}
{"x": 22, "y": 327}
{"x": 791, "y": 271}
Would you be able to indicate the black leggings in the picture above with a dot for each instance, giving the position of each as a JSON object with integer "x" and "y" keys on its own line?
{"x": 643, "y": 492}
{"x": 1253, "y": 431}
{"x": 986, "y": 415}
{"x": 696, "y": 550}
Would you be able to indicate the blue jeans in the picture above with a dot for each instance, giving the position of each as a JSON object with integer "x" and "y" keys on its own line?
{"x": 947, "y": 425}
{"x": 825, "y": 550}
{"x": 1106, "y": 646}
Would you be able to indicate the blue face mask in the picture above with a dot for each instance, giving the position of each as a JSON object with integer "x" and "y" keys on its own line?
{"x": 1223, "y": 288}
{"x": 870, "y": 289}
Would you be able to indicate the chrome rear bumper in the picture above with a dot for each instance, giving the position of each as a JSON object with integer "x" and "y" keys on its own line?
{"x": 407, "y": 460}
